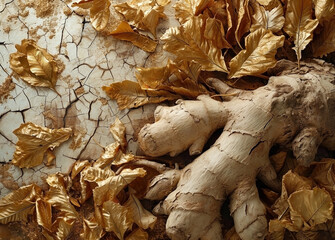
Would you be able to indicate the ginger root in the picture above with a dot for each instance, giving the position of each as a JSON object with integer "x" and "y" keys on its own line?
{"x": 295, "y": 109}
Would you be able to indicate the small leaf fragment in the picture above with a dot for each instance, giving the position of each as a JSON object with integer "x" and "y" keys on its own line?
{"x": 34, "y": 65}
{"x": 299, "y": 23}
{"x": 129, "y": 94}
{"x": 126, "y": 33}
{"x": 34, "y": 141}
{"x": 17, "y": 205}
{"x": 91, "y": 230}
{"x": 188, "y": 43}
{"x": 118, "y": 131}
{"x": 259, "y": 55}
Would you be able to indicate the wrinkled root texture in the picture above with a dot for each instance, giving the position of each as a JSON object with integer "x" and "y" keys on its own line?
{"x": 295, "y": 109}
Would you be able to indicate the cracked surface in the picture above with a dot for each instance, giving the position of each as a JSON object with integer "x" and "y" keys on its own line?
{"x": 90, "y": 61}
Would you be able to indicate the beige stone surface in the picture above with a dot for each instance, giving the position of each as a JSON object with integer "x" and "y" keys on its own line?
{"x": 91, "y": 61}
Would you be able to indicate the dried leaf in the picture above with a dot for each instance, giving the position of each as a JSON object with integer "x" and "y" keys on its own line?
{"x": 324, "y": 175}
{"x": 34, "y": 65}
{"x": 125, "y": 32}
{"x": 18, "y": 204}
{"x": 259, "y": 55}
{"x": 110, "y": 187}
{"x": 324, "y": 43}
{"x": 142, "y": 217}
{"x": 181, "y": 78}
{"x": 129, "y": 94}
{"x": 91, "y": 230}
{"x": 116, "y": 218}
{"x": 324, "y": 10}
{"x": 123, "y": 159}
{"x": 34, "y": 141}
{"x": 238, "y": 20}
{"x": 272, "y": 20}
{"x": 188, "y": 43}
{"x": 299, "y": 23}
{"x": 214, "y": 31}
{"x": 78, "y": 167}
{"x": 138, "y": 234}
{"x": 99, "y": 12}
{"x": 59, "y": 199}
{"x": 144, "y": 15}
{"x": 44, "y": 214}
{"x": 186, "y": 9}
{"x": 118, "y": 131}
{"x": 111, "y": 152}
{"x": 309, "y": 208}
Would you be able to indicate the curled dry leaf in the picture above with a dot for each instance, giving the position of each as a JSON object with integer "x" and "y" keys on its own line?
{"x": 58, "y": 198}
{"x": 299, "y": 23}
{"x": 259, "y": 55}
{"x": 34, "y": 141}
{"x": 144, "y": 15}
{"x": 34, "y": 65}
{"x": 17, "y": 205}
{"x": 309, "y": 208}
{"x": 99, "y": 12}
{"x": 188, "y": 43}
{"x": 110, "y": 187}
{"x": 129, "y": 94}
{"x": 272, "y": 20}
{"x": 117, "y": 218}
{"x": 186, "y": 9}
{"x": 126, "y": 33}
{"x": 44, "y": 214}
{"x": 118, "y": 131}
{"x": 324, "y": 10}
{"x": 214, "y": 31}
{"x": 78, "y": 166}
{"x": 91, "y": 230}
{"x": 138, "y": 234}
{"x": 324, "y": 42}
{"x": 324, "y": 175}
{"x": 180, "y": 78}
{"x": 142, "y": 217}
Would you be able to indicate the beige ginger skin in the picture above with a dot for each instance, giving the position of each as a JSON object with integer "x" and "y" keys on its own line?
{"x": 295, "y": 109}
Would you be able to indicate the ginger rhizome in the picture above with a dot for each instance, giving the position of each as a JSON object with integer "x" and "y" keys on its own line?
{"x": 295, "y": 110}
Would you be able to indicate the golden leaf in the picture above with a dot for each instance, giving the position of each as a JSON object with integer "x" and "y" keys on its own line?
{"x": 299, "y": 23}
{"x": 144, "y": 15}
{"x": 110, "y": 187}
{"x": 50, "y": 156}
{"x": 309, "y": 208}
{"x": 111, "y": 152}
{"x": 259, "y": 55}
{"x": 188, "y": 43}
{"x": 324, "y": 175}
{"x": 324, "y": 43}
{"x": 324, "y": 10}
{"x": 34, "y": 65}
{"x": 214, "y": 31}
{"x": 180, "y": 78}
{"x": 142, "y": 217}
{"x": 138, "y": 234}
{"x": 99, "y": 12}
{"x": 272, "y": 20}
{"x": 59, "y": 199}
{"x": 34, "y": 141}
{"x": 126, "y": 33}
{"x": 129, "y": 94}
{"x": 123, "y": 158}
{"x": 116, "y": 218}
{"x": 44, "y": 214}
{"x": 17, "y": 205}
{"x": 186, "y": 9}
{"x": 118, "y": 131}
{"x": 91, "y": 230}
{"x": 78, "y": 167}
{"x": 238, "y": 20}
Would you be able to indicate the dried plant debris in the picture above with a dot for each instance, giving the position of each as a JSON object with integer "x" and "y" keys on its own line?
{"x": 5, "y": 88}
{"x": 34, "y": 142}
{"x": 34, "y": 65}
{"x": 116, "y": 208}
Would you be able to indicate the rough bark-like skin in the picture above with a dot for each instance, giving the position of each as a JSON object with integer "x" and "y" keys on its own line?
{"x": 295, "y": 109}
